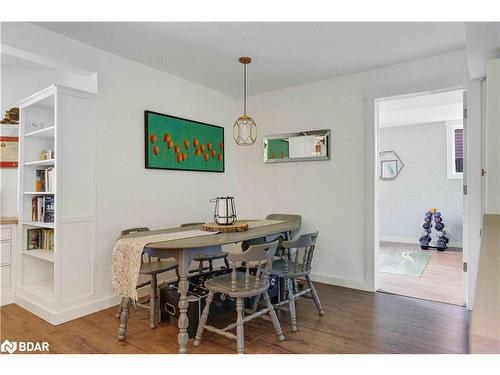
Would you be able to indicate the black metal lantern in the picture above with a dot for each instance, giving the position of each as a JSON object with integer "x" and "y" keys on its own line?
{"x": 224, "y": 213}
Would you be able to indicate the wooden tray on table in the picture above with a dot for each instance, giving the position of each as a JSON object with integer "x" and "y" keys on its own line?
{"x": 213, "y": 227}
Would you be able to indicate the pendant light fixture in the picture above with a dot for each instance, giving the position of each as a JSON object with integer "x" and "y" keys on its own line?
{"x": 245, "y": 129}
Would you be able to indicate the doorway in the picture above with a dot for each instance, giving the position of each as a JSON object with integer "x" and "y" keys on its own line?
{"x": 420, "y": 203}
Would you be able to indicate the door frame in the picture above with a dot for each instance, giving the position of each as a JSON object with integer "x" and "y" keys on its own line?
{"x": 372, "y": 95}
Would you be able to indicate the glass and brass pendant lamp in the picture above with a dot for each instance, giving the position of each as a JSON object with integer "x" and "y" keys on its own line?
{"x": 245, "y": 129}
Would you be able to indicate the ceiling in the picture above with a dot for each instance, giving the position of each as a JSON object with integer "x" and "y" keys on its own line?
{"x": 421, "y": 109}
{"x": 284, "y": 54}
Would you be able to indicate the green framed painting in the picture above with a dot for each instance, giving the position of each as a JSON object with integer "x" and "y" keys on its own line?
{"x": 181, "y": 144}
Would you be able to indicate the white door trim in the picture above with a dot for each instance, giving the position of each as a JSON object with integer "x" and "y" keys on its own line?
{"x": 435, "y": 84}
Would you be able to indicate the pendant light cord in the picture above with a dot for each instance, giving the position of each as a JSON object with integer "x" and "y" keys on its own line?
{"x": 245, "y": 89}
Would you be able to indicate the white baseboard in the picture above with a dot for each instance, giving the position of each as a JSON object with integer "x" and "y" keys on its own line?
{"x": 338, "y": 281}
{"x": 413, "y": 241}
{"x": 58, "y": 317}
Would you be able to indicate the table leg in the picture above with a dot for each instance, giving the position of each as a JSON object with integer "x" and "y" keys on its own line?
{"x": 153, "y": 306}
{"x": 124, "y": 315}
{"x": 183, "y": 321}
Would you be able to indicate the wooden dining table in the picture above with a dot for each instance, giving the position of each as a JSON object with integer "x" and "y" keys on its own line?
{"x": 185, "y": 249}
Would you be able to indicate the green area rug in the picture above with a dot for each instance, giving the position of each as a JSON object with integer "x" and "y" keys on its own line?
{"x": 407, "y": 263}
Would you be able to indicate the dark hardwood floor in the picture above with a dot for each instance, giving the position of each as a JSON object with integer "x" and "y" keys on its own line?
{"x": 354, "y": 322}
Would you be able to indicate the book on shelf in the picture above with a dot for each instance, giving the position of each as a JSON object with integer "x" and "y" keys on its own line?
{"x": 34, "y": 239}
{"x": 50, "y": 180}
{"x": 40, "y": 239}
{"x": 42, "y": 209}
{"x": 48, "y": 209}
{"x": 48, "y": 239}
{"x": 39, "y": 181}
{"x": 44, "y": 180}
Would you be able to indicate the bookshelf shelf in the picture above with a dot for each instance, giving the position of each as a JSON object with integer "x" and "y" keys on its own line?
{"x": 39, "y": 224}
{"x": 40, "y": 163}
{"x": 39, "y": 193}
{"x": 48, "y": 132}
{"x": 47, "y": 255}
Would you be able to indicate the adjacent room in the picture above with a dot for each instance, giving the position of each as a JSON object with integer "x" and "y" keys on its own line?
{"x": 420, "y": 185}
{"x": 278, "y": 188}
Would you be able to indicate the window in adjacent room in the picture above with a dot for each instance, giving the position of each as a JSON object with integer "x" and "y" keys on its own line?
{"x": 455, "y": 149}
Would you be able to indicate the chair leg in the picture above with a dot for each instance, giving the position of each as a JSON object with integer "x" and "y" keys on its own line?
{"x": 200, "y": 267}
{"x": 291, "y": 304}
{"x": 315, "y": 296}
{"x": 273, "y": 316}
{"x": 119, "y": 310}
{"x": 203, "y": 319}
{"x": 240, "y": 333}
{"x": 125, "y": 314}
{"x": 226, "y": 262}
{"x": 210, "y": 265}
{"x": 255, "y": 304}
{"x": 152, "y": 301}
{"x": 279, "y": 296}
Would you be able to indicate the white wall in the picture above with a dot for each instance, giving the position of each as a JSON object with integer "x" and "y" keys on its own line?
{"x": 422, "y": 184}
{"x": 331, "y": 196}
{"x": 128, "y": 195}
{"x": 16, "y": 84}
{"x": 493, "y": 137}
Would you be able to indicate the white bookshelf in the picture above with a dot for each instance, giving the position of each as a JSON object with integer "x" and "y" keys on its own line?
{"x": 52, "y": 282}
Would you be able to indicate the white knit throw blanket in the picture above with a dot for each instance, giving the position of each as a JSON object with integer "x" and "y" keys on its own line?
{"x": 127, "y": 254}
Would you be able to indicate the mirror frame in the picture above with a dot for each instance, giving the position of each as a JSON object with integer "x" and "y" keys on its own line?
{"x": 400, "y": 164}
{"x": 323, "y": 132}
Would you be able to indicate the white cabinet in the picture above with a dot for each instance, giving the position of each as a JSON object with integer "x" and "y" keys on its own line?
{"x": 56, "y": 251}
{"x": 8, "y": 234}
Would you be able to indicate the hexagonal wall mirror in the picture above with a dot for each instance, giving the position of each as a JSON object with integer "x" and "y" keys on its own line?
{"x": 390, "y": 165}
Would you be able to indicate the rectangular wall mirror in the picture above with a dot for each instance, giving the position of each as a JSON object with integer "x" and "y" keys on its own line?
{"x": 302, "y": 146}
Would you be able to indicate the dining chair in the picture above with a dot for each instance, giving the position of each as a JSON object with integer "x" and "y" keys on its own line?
{"x": 202, "y": 258}
{"x": 150, "y": 268}
{"x": 292, "y": 218}
{"x": 296, "y": 263}
{"x": 240, "y": 285}
{"x": 297, "y": 219}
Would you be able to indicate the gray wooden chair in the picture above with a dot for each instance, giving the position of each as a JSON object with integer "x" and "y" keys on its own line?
{"x": 241, "y": 285}
{"x": 287, "y": 217}
{"x": 151, "y": 268}
{"x": 296, "y": 263}
{"x": 278, "y": 236}
{"x": 201, "y": 258}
